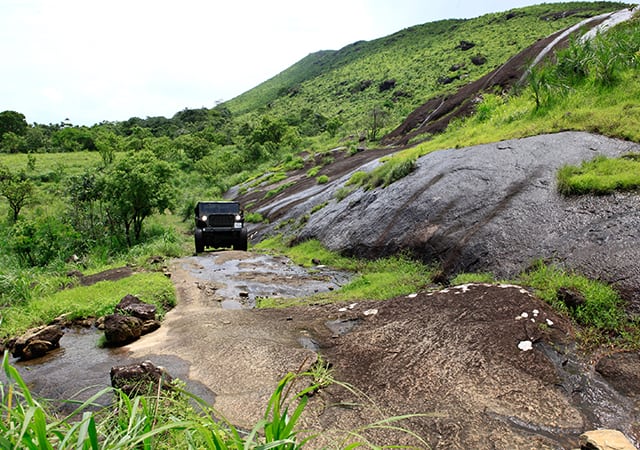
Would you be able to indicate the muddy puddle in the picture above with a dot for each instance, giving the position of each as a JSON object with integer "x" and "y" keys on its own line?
{"x": 240, "y": 279}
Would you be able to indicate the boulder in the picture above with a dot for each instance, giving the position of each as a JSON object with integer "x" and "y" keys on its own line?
{"x": 571, "y": 297}
{"x": 121, "y": 330}
{"x": 622, "y": 371}
{"x": 36, "y": 342}
{"x": 133, "y": 306}
{"x": 605, "y": 440}
{"x": 140, "y": 379}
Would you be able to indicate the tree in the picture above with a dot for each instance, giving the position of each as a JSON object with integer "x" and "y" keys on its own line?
{"x": 14, "y": 122}
{"x": 134, "y": 188}
{"x": 194, "y": 147}
{"x": 13, "y": 143}
{"x": 17, "y": 189}
{"x": 73, "y": 139}
{"x": 378, "y": 118}
{"x": 108, "y": 143}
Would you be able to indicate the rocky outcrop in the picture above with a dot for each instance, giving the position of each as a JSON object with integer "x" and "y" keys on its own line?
{"x": 487, "y": 208}
{"x": 140, "y": 379}
{"x": 132, "y": 318}
{"x": 36, "y": 342}
{"x": 121, "y": 330}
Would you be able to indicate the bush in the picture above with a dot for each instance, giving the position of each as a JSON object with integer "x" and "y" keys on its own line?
{"x": 43, "y": 240}
{"x": 322, "y": 179}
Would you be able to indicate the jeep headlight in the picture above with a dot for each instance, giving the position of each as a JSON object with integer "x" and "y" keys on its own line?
{"x": 204, "y": 218}
{"x": 238, "y": 217}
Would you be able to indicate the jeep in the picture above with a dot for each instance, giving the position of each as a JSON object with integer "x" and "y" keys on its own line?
{"x": 219, "y": 224}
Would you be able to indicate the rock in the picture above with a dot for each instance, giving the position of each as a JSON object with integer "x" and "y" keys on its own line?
{"x": 571, "y": 297}
{"x": 465, "y": 45}
{"x": 622, "y": 371}
{"x": 36, "y": 342}
{"x": 121, "y": 330}
{"x": 478, "y": 60}
{"x": 140, "y": 379}
{"x": 132, "y": 305}
{"x": 468, "y": 209}
{"x": 149, "y": 326}
{"x": 605, "y": 440}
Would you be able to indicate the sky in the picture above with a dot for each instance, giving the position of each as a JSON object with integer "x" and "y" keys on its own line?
{"x": 88, "y": 61}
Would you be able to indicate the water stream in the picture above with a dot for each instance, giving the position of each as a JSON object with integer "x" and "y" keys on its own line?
{"x": 80, "y": 368}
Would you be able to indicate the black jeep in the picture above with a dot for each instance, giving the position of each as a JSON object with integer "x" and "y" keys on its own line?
{"x": 220, "y": 224}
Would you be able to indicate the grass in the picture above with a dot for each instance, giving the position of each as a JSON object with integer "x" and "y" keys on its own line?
{"x": 601, "y": 176}
{"x": 88, "y": 301}
{"x": 603, "y": 309}
{"x": 73, "y": 163}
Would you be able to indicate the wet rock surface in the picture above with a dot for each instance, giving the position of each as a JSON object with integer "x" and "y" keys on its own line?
{"x": 454, "y": 355}
{"x": 488, "y": 208}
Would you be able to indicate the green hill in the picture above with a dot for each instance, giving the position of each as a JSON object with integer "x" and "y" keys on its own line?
{"x": 397, "y": 73}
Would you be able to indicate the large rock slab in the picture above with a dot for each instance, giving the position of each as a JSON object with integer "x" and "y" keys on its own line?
{"x": 492, "y": 207}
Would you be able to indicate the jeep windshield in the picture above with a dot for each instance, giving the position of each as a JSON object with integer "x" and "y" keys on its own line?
{"x": 218, "y": 208}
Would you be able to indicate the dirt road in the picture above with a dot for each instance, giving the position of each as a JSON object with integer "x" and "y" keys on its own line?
{"x": 237, "y": 352}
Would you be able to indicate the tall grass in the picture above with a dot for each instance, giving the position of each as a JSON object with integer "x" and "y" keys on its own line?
{"x": 168, "y": 420}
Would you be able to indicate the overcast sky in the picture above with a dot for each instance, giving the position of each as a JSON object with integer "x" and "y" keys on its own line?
{"x": 89, "y": 61}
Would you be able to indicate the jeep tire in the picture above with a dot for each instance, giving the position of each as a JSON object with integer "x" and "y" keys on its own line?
{"x": 242, "y": 242}
{"x": 199, "y": 241}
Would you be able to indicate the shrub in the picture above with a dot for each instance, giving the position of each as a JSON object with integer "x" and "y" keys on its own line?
{"x": 313, "y": 171}
{"x": 342, "y": 193}
{"x": 255, "y": 217}
{"x": 322, "y": 179}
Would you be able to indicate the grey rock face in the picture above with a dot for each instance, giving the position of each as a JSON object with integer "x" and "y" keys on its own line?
{"x": 492, "y": 207}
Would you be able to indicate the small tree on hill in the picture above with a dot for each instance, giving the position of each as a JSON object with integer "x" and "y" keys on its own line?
{"x": 17, "y": 189}
{"x": 134, "y": 188}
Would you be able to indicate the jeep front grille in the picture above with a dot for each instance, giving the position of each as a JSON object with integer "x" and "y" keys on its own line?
{"x": 220, "y": 221}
